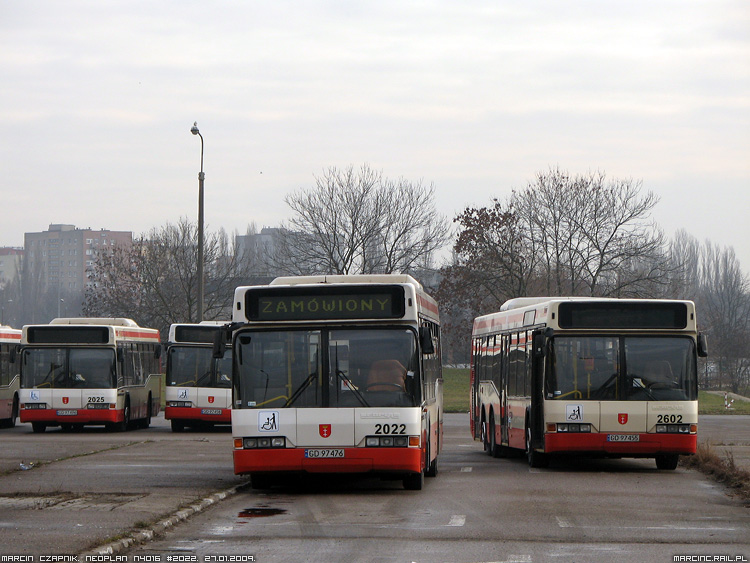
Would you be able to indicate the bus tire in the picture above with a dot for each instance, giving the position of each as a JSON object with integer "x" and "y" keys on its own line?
{"x": 414, "y": 481}
{"x": 536, "y": 459}
{"x": 496, "y": 450}
{"x": 667, "y": 461}
{"x": 38, "y": 427}
{"x": 123, "y": 425}
{"x": 13, "y": 413}
{"x": 485, "y": 435}
{"x": 431, "y": 467}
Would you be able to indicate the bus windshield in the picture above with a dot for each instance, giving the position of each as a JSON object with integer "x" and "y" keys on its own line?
{"x": 194, "y": 366}
{"x": 345, "y": 367}
{"x": 622, "y": 368}
{"x": 66, "y": 368}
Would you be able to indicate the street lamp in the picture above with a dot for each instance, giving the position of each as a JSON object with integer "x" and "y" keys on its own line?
{"x": 194, "y": 130}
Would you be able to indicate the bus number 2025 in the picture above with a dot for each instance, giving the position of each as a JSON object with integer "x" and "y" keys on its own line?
{"x": 390, "y": 429}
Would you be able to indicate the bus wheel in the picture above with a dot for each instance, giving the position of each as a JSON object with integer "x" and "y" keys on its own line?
{"x": 485, "y": 436}
{"x": 38, "y": 427}
{"x": 495, "y": 449}
{"x": 13, "y": 413}
{"x": 667, "y": 461}
{"x": 414, "y": 481}
{"x": 125, "y": 424}
{"x": 536, "y": 459}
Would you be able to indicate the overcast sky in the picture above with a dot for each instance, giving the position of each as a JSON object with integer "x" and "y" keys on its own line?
{"x": 476, "y": 97}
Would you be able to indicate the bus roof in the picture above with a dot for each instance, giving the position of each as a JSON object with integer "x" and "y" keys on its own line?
{"x": 418, "y": 302}
{"x": 108, "y": 321}
{"x": 8, "y": 334}
{"x": 353, "y": 278}
{"x": 545, "y": 311}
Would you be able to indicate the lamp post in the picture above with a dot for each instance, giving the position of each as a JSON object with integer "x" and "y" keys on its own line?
{"x": 194, "y": 130}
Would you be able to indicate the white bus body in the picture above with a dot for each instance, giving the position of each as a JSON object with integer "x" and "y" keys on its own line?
{"x": 198, "y": 386}
{"x": 337, "y": 374}
{"x": 83, "y": 371}
{"x": 611, "y": 377}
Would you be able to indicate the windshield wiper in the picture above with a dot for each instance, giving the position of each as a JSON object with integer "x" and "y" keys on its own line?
{"x": 304, "y": 385}
{"x": 352, "y": 387}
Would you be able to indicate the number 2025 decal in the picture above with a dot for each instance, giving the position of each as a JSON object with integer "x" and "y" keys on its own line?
{"x": 390, "y": 429}
{"x": 669, "y": 418}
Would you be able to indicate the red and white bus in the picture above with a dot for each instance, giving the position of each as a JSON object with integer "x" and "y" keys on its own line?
{"x": 10, "y": 338}
{"x": 82, "y": 371}
{"x": 337, "y": 374}
{"x": 199, "y": 386}
{"x": 608, "y": 377}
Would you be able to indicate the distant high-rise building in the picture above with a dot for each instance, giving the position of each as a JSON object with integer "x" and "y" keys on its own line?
{"x": 63, "y": 256}
{"x": 10, "y": 264}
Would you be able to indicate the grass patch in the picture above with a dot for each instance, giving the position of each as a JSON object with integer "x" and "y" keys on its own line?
{"x": 456, "y": 389}
{"x": 711, "y": 403}
{"x": 720, "y": 468}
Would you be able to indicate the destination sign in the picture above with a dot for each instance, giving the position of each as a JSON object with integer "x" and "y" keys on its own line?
{"x": 627, "y": 315}
{"x": 286, "y": 304}
{"x": 67, "y": 335}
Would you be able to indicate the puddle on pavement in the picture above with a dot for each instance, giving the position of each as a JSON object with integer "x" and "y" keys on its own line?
{"x": 260, "y": 512}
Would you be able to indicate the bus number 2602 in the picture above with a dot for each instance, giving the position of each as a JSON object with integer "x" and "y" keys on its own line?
{"x": 390, "y": 429}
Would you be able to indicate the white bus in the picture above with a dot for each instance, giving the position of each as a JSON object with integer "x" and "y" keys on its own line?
{"x": 9, "y": 381}
{"x": 337, "y": 374}
{"x": 199, "y": 386}
{"x": 81, "y": 371}
{"x": 608, "y": 377}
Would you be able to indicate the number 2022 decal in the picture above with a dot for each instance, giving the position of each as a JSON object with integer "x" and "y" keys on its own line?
{"x": 390, "y": 429}
{"x": 669, "y": 418}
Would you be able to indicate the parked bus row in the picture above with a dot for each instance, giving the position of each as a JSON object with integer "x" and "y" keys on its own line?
{"x": 342, "y": 374}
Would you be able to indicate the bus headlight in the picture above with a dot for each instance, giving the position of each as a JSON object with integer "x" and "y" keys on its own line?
{"x": 182, "y": 404}
{"x": 583, "y": 427}
{"x": 260, "y": 443}
{"x": 391, "y": 441}
{"x": 674, "y": 429}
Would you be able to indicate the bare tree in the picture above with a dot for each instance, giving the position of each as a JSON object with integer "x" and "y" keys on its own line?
{"x": 356, "y": 221}
{"x": 595, "y": 235}
{"x": 724, "y": 303}
{"x": 155, "y": 280}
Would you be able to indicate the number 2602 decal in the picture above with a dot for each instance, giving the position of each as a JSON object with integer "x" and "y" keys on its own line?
{"x": 669, "y": 418}
{"x": 390, "y": 429}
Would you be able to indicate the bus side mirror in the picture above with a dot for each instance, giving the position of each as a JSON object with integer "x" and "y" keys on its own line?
{"x": 120, "y": 355}
{"x": 425, "y": 340}
{"x": 12, "y": 355}
{"x": 702, "y": 345}
{"x": 157, "y": 352}
{"x": 220, "y": 343}
{"x": 539, "y": 344}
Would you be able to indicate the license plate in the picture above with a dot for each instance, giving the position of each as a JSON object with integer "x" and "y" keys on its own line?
{"x": 623, "y": 438}
{"x": 67, "y": 413}
{"x": 211, "y": 411}
{"x": 320, "y": 453}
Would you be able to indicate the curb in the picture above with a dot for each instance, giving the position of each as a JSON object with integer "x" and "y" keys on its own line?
{"x": 162, "y": 525}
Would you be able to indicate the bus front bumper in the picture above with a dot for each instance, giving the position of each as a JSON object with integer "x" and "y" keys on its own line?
{"x": 616, "y": 444}
{"x": 205, "y": 414}
{"x": 72, "y": 416}
{"x": 355, "y": 460}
